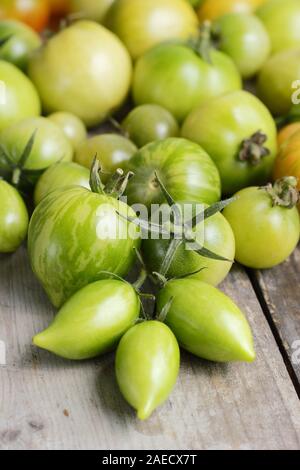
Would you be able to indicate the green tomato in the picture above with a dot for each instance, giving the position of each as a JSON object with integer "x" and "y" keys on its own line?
{"x": 72, "y": 127}
{"x": 18, "y": 97}
{"x": 113, "y": 151}
{"x": 84, "y": 70}
{"x": 239, "y": 134}
{"x": 206, "y": 322}
{"x": 266, "y": 234}
{"x": 177, "y": 78}
{"x": 245, "y": 39}
{"x": 61, "y": 175}
{"x": 92, "y": 321}
{"x": 20, "y": 42}
{"x": 214, "y": 233}
{"x": 185, "y": 169}
{"x": 278, "y": 81}
{"x": 74, "y": 236}
{"x": 13, "y": 218}
{"x": 142, "y": 25}
{"x": 282, "y": 21}
{"x": 95, "y": 10}
{"x": 148, "y": 123}
{"x": 147, "y": 366}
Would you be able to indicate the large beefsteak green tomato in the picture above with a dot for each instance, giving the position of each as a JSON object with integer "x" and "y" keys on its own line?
{"x": 176, "y": 77}
{"x": 142, "y": 25}
{"x": 97, "y": 66}
{"x": 282, "y": 20}
{"x": 147, "y": 366}
{"x": 17, "y": 42}
{"x": 95, "y": 10}
{"x": 76, "y": 236}
{"x": 148, "y": 123}
{"x": 245, "y": 39}
{"x": 278, "y": 81}
{"x": 18, "y": 97}
{"x": 72, "y": 127}
{"x": 239, "y": 134}
{"x": 43, "y": 143}
{"x": 61, "y": 175}
{"x": 92, "y": 321}
{"x": 266, "y": 223}
{"x": 13, "y": 218}
{"x": 205, "y": 321}
{"x": 112, "y": 150}
{"x": 185, "y": 169}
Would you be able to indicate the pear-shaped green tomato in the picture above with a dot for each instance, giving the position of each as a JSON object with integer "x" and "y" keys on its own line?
{"x": 72, "y": 127}
{"x": 92, "y": 321}
{"x": 147, "y": 366}
{"x": 61, "y": 175}
{"x": 13, "y": 218}
{"x": 206, "y": 322}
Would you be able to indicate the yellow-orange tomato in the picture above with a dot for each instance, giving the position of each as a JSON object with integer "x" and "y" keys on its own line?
{"x": 288, "y": 160}
{"x": 212, "y": 9}
{"x": 35, "y": 13}
{"x": 287, "y": 132}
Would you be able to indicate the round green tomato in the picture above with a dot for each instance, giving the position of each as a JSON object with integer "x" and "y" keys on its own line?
{"x": 215, "y": 234}
{"x": 177, "y": 78}
{"x": 142, "y": 25}
{"x": 61, "y": 175}
{"x": 72, "y": 127}
{"x": 282, "y": 21}
{"x": 84, "y": 70}
{"x": 245, "y": 39}
{"x": 277, "y": 81}
{"x": 148, "y": 123}
{"x": 147, "y": 366}
{"x": 19, "y": 42}
{"x": 206, "y": 322}
{"x": 266, "y": 234}
{"x": 18, "y": 97}
{"x": 113, "y": 151}
{"x": 95, "y": 10}
{"x": 92, "y": 321}
{"x": 13, "y": 218}
{"x": 223, "y": 126}
{"x": 186, "y": 170}
{"x": 74, "y": 236}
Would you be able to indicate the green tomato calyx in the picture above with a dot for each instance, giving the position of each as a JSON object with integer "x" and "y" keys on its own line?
{"x": 284, "y": 192}
{"x": 202, "y": 44}
{"x": 115, "y": 187}
{"x": 253, "y": 150}
{"x": 5, "y": 40}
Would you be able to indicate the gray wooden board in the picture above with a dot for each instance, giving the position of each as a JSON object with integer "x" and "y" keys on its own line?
{"x": 49, "y": 403}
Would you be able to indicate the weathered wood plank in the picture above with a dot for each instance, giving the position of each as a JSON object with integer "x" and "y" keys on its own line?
{"x": 48, "y": 403}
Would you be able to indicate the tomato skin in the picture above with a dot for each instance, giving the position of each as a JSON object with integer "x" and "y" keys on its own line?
{"x": 175, "y": 77}
{"x": 20, "y": 98}
{"x": 186, "y": 170}
{"x": 61, "y": 175}
{"x": 266, "y": 235}
{"x": 148, "y": 123}
{"x": 13, "y": 218}
{"x": 147, "y": 366}
{"x": 275, "y": 87}
{"x": 142, "y": 25}
{"x": 206, "y": 322}
{"x": 287, "y": 162}
{"x": 59, "y": 7}
{"x": 91, "y": 322}
{"x": 287, "y": 132}
{"x": 95, "y": 10}
{"x": 72, "y": 127}
{"x": 113, "y": 151}
{"x": 282, "y": 20}
{"x": 212, "y": 9}
{"x": 35, "y": 13}
{"x": 220, "y": 127}
{"x": 73, "y": 238}
{"x": 74, "y": 53}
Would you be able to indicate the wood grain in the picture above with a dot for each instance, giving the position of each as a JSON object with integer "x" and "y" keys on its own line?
{"x": 48, "y": 403}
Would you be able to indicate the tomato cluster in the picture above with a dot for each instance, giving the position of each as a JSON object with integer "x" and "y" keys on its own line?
{"x": 206, "y": 85}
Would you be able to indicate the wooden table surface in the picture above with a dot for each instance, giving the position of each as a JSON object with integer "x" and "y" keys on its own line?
{"x": 49, "y": 403}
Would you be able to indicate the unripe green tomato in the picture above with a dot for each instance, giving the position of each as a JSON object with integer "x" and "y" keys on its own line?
{"x": 61, "y": 175}
{"x": 112, "y": 150}
{"x": 206, "y": 322}
{"x": 92, "y": 321}
{"x": 13, "y": 218}
{"x": 147, "y": 366}
{"x": 150, "y": 122}
{"x": 72, "y": 127}
{"x": 18, "y": 96}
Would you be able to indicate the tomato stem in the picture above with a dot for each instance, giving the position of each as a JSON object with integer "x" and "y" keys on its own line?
{"x": 203, "y": 43}
{"x": 284, "y": 192}
{"x": 253, "y": 150}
